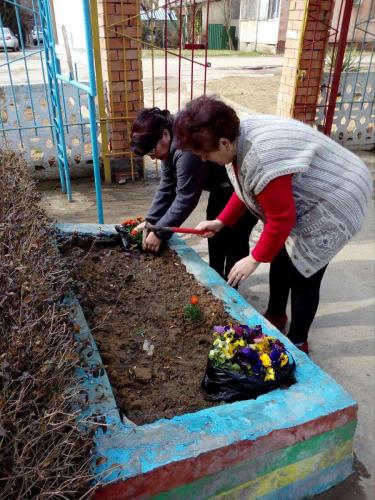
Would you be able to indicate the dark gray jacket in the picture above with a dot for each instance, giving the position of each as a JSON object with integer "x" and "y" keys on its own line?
{"x": 183, "y": 177}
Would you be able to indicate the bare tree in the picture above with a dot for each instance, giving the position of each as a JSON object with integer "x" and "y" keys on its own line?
{"x": 194, "y": 21}
{"x": 227, "y": 11}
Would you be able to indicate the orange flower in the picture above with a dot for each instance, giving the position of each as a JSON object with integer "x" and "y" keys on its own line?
{"x": 134, "y": 232}
{"x": 194, "y": 300}
{"x": 126, "y": 222}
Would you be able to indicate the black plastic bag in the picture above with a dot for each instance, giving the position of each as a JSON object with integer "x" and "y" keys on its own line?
{"x": 229, "y": 386}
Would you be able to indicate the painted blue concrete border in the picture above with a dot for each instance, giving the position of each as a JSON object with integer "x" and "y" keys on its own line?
{"x": 92, "y": 375}
{"x": 128, "y": 450}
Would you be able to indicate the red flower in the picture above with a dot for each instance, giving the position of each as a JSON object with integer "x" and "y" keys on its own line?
{"x": 127, "y": 222}
{"x": 194, "y": 300}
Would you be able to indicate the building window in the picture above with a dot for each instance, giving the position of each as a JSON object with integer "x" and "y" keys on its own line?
{"x": 249, "y": 10}
{"x": 265, "y": 9}
{"x": 273, "y": 9}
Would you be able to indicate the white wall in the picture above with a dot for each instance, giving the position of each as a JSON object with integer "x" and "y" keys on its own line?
{"x": 266, "y": 33}
{"x": 216, "y": 15}
{"x": 70, "y": 14}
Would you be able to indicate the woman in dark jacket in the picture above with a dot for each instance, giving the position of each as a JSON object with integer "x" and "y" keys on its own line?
{"x": 183, "y": 177}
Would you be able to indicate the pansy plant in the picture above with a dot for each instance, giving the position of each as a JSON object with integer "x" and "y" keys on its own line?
{"x": 246, "y": 349}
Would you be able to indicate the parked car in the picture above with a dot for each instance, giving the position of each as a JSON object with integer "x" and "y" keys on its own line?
{"x": 10, "y": 39}
{"x": 37, "y": 34}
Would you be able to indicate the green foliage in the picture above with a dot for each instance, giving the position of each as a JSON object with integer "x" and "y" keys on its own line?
{"x": 193, "y": 313}
{"x": 350, "y": 63}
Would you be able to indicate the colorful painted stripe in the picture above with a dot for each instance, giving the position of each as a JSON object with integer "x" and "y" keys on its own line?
{"x": 258, "y": 477}
{"x": 263, "y": 473}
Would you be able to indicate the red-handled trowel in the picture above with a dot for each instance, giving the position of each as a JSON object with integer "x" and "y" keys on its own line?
{"x": 150, "y": 228}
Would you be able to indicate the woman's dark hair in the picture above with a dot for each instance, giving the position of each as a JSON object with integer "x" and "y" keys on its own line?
{"x": 203, "y": 122}
{"x": 148, "y": 129}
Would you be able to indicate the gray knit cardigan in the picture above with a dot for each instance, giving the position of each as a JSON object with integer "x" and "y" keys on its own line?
{"x": 331, "y": 186}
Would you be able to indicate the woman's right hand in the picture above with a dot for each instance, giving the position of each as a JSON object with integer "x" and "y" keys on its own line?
{"x": 152, "y": 243}
{"x": 211, "y": 227}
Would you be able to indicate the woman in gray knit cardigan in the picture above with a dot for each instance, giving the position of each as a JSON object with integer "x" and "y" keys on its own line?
{"x": 310, "y": 192}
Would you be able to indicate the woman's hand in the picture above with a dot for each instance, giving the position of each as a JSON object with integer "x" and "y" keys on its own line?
{"x": 152, "y": 243}
{"x": 141, "y": 226}
{"x": 211, "y": 227}
{"x": 241, "y": 270}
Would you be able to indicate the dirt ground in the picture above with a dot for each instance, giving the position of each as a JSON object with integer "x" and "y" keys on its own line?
{"x": 155, "y": 357}
{"x": 258, "y": 94}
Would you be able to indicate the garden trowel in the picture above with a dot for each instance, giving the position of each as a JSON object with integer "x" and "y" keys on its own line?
{"x": 153, "y": 228}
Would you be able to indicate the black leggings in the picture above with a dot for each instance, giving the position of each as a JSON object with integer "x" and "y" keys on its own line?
{"x": 284, "y": 277}
{"x": 230, "y": 244}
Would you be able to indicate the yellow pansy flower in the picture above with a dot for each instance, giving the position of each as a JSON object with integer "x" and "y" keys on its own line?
{"x": 270, "y": 374}
{"x": 266, "y": 360}
{"x": 239, "y": 343}
{"x": 228, "y": 351}
{"x": 283, "y": 359}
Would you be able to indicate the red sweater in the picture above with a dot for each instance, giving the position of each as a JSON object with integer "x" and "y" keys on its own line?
{"x": 277, "y": 201}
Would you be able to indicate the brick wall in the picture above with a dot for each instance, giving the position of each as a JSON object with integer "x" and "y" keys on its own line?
{"x": 119, "y": 33}
{"x": 303, "y": 68}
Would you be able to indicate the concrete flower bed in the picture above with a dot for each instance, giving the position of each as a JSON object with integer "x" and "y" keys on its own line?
{"x": 285, "y": 444}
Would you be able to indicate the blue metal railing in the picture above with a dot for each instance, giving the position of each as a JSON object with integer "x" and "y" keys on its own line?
{"x": 51, "y": 62}
{"x": 53, "y": 82}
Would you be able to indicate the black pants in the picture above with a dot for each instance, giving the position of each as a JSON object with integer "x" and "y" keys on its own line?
{"x": 284, "y": 277}
{"x": 230, "y": 244}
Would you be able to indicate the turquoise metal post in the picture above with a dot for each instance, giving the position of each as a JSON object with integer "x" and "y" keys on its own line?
{"x": 52, "y": 70}
{"x": 92, "y": 111}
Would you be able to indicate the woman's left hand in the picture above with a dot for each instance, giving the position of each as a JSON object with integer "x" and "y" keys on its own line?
{"x": 241, "y": 270}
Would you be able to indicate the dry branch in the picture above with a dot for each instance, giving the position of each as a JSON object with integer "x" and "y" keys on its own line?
{"x": 43, "y": 454}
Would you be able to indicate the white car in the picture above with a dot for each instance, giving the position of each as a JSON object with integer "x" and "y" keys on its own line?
{"x": 11, "y": 41}
{"x": 37, "y": 34}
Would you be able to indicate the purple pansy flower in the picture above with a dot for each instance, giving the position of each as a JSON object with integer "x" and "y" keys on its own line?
{"x": 248, "y": 355}
{"x": 219, "y": 329}
{"x": 257, "y": 330}
{"x": 257, "y": 368}
{"x": 238, "y": 331}
{"x": 279, "y": 345}
{"x": 275, "y": 356}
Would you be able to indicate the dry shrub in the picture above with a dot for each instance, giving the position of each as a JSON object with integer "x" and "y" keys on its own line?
{"x": 43, "y": 454}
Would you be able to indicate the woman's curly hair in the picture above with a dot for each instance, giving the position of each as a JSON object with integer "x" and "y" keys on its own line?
{"x": 203, "y": 122}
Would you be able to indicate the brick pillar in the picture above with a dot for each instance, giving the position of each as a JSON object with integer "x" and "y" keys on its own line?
{"x": 120, "y": 33}
{"x": 305, "y": 50}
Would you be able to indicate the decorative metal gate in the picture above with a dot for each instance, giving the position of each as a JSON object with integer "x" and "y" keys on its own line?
{"x": 34, "y": 116}
{"x": 152, "y": 56}
{"x": 346, "y": 105}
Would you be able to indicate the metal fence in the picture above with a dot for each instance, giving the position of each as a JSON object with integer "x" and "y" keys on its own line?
{"x": 346, "y": 104}
{"x": 47, "y": 116}
{"x": 168, "y": 33}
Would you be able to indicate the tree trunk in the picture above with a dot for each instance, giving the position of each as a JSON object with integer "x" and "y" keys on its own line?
{"x": 227, "y": 21}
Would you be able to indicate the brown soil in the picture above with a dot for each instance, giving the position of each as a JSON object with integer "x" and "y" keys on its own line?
{"x": 133, "y": 300}
{"x": 258, "y": 94}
